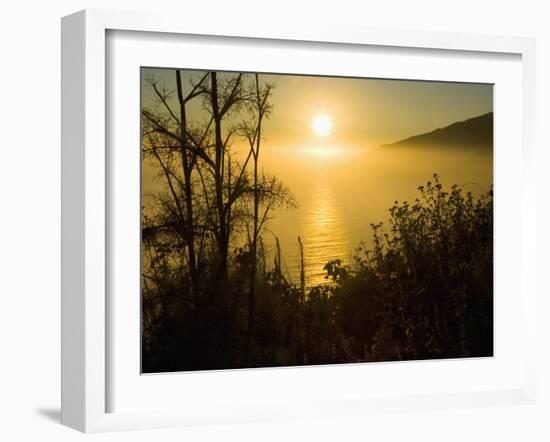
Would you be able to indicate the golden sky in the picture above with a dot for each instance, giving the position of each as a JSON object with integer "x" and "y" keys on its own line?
{"x": 364, "y": 113}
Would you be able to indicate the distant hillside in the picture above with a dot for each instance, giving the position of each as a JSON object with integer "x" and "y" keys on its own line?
{"x": 475, "y": 132}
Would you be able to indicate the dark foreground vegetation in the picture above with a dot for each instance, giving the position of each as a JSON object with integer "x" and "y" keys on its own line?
{"x": 423, "y": 290}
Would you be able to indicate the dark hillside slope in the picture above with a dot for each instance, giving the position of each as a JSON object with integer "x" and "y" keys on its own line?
{"x": 475, "y": 132}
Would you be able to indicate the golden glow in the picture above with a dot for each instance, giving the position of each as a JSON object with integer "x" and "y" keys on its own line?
{"x": 321, "y": 125}
{"x": 328, "y": 152}
{"x": 323, "y": 152}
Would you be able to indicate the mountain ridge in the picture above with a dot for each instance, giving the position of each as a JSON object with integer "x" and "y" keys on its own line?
{"x": 473, "y": 132}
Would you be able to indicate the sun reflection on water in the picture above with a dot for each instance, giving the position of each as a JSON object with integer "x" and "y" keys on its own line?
{"x": 324, "y": 238}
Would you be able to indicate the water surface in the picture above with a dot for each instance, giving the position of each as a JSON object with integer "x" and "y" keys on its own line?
{"x": 341, "y": 192}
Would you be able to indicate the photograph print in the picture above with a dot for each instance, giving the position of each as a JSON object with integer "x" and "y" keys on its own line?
{"x": 294, "y": 220}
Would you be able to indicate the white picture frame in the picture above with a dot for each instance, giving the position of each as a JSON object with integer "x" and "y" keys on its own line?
{"x": 86, "y": 316}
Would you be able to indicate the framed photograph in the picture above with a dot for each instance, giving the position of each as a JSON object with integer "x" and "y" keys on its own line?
{"x": 261, "y": 224}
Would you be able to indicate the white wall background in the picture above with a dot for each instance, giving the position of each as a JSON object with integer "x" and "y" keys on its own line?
{"x": 30, "y": 216}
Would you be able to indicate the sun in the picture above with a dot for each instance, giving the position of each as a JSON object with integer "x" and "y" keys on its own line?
{"x": 321, "y": 125}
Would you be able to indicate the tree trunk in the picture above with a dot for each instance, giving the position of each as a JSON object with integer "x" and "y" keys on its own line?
{"x": 187, "y": 172}
{"x": 223, "y": 236}
{"x": 255, "y": 233}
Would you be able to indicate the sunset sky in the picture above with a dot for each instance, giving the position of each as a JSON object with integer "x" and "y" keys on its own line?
{"x": 363, "y": 112}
